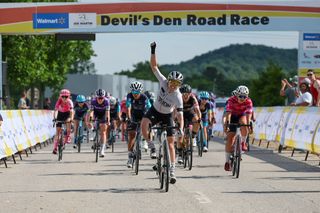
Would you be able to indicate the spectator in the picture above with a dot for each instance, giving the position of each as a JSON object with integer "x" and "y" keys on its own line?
{"x": 289, "y": 90}
{"x": 314, "y": 87}
{"x": 1, "y": 119}
{"x": 305, "y": 98}
{"x": 47, "y": 104}
{"x": 23, "y": 101}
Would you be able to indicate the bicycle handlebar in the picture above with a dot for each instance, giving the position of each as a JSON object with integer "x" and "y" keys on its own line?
{"x": 238, "y": 125}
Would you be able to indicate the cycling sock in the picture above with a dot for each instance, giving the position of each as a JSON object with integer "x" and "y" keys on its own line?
{"x": 243, "y": 138}
{"x": 228, "y": 156}
{"x": 103, "y": 147}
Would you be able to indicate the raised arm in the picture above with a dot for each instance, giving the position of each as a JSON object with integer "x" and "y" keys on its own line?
{"x": 153, "y": 63}
{"x": 153, "y": 59}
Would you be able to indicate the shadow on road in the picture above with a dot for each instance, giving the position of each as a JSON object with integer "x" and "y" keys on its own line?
{"x": 111, "y": 190}
{"x": 290, "y": 165}
{"x": 271, "y": 192}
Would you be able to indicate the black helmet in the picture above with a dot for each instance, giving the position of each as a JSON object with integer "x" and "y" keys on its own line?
{"x": 186, "y": 88}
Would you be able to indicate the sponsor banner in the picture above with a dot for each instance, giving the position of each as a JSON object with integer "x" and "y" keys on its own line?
{"x": 161, "y": 17}
{"x": 82, "y": 20}
{"x": 309, "y": 53}
{"x": 22, "y": 129}
{"x": 50, "y": 20}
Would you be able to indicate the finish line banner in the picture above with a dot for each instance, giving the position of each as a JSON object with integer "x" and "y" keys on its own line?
{"x": 162, "y": 16}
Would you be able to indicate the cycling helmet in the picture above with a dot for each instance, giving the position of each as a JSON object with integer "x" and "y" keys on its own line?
{"x": 242, "y": 90}
{"x": 108, "y": 94}
{"x": 234, "y": 93}
{"x": 100, "y": 93}
{"x": 136, "y": 86}
{"x": 175, "y": 75}
{"x": 112, "y": 101}
{"x": 186, "y": 88}
{"x": 88, "y": 98}
{"x": 152, "y": 96}
{"x": 80, "y": 99}
{"x": 204, "y": 95}
{"x": 64, "y": 92}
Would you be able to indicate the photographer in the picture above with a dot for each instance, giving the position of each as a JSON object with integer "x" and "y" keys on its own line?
{"x": 290, "y": 91}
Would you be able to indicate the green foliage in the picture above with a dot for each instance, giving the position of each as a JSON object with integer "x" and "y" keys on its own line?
{"x": 264, "y": 91}
{"x": 222, "y": 70}
{"x": 141, "y": 70}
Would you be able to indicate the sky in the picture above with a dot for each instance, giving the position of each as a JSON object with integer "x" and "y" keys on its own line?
{"x": 120, "y": 51}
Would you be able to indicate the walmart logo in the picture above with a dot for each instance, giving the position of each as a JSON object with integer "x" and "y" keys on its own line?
{"x": 50, "y": 20}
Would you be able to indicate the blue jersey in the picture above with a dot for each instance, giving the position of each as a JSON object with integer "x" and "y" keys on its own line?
{"x": 114, "y": 109}
{"x": 204, "y": 109}
{"x": 138, "y": 106}
{"x": 80, "y": 111}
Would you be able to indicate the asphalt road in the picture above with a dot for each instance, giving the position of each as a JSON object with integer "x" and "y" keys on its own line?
{"x": 268, "y": 182}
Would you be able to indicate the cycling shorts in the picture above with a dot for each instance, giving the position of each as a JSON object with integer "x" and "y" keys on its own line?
{"x": 62, "y": 116}
{"x": 156, "y": 117}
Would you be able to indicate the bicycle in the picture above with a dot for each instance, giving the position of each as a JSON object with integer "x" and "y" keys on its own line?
{"x": 200, "y": 140}
{"x": 236, "y": 155}
{"x": 80, "y": 135}
{"x": 163, "y": 159}
{"x": 96, "y": 144}
{"x": 137, "y": 149}
{"x": 187, "y": 148}
{"x": 62, "y": 133}
{"x": 112, "y": 136}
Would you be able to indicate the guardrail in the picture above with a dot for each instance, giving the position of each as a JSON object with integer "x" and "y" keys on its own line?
{"x": 296, "y": 127}
{"x": 23, "y": 129}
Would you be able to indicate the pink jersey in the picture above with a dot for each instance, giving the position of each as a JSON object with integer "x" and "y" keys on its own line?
{"x": 64, "y": 107}
{"x": 237, "y": 108}
{"x": 123, "y": 106}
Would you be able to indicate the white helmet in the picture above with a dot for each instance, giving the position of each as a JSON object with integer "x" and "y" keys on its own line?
{"x": 242, "y": 90}
{"x": 137, "y": 86}
{"x": 306, "y": 81}
{"x": 175, "y": 75}
{"x": 112, "y": 101}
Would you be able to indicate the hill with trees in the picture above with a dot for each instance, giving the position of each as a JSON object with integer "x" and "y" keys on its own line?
{"x": 223, "y": 69}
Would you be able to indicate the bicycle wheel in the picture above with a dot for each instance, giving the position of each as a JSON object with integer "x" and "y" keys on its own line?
{"x": 97, "y": 145}
{"x": 200, "y": 141}
{"x": 160, "y": 168}
{"x": 88, "y": 135}
{"x": 137, "y": 157}
{"x": 79, "y": 138}
{"x": 238, "y": 158}
{"x": 60, "y": 148}
{"x": 166, "y": 165}
{"x": 113, "y": 138}
{"x": 190, "y": 152}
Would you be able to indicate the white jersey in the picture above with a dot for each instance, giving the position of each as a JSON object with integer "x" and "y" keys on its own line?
{"x": 166, "y": 102}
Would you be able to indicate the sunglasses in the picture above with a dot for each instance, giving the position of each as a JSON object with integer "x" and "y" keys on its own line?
{"x": 135, "y": 92}
{"x": 309, "y": 74}
{"x": 175, "y": 83}
{"x": 100, "y": 98}
{"x": 242, "y": 96}
{"x": 64, "y": 96}
{"x": 205, "y": 99}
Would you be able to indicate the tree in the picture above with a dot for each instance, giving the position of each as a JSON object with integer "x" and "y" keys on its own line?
{"x": 41, "y": 61}
{"x": 265, "y": 90}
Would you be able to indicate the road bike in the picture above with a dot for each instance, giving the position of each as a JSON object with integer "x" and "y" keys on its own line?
{"x": 61, "y": 136}
{"x": 236, "y": 155}
{"x": 163, "y": 159}
{"x": 137, "y": 149}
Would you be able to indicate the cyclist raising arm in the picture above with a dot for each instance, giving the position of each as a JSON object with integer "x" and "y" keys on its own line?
{"x": 238, "y": 110}
{"x": 100, "y": 109}
{"x": 63, "y": 112}
{"x": 168, "y": 98}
